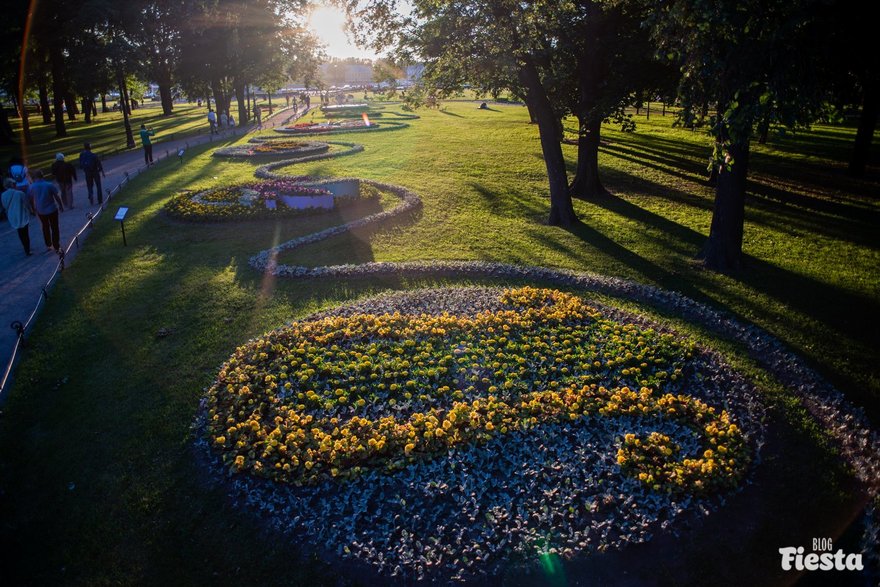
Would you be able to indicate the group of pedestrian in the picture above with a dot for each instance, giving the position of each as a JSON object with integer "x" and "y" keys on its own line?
{"x": 225, "y": 120}
{"x": 28, "y": 192}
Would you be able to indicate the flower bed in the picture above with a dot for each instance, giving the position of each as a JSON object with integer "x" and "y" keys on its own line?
{"x": 271, "y": 198}
{"x": 273, "y": 148}
{"x": 455, "y": 431}
{"x": 327, "y": 126}
{"x": 338, "y": 126}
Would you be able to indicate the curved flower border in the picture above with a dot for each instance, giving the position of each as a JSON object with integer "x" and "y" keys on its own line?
{"x": 244, "y": 152}
{"x": 265, "y": 171}
{"x": 384, "y": 126}
{"x": 641, "y": 509}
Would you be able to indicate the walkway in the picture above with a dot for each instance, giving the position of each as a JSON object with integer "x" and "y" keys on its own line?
{"x": 22, "y": 278}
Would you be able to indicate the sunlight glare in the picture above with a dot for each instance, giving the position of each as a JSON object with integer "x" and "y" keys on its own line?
{"x": 328, "y": 24}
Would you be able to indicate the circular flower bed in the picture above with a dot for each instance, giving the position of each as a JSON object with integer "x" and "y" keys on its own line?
{"x": 269, "y": 198}
{"x": 338, "y": 126}
{"x": 456, "y": 431}
{"x": 273, "y": 148}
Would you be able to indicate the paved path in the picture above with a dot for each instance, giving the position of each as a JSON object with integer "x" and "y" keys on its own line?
{"x": 22, "y": 278}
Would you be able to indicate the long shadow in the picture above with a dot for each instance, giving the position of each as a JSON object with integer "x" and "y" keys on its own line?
{"x": 449, "y": 113}
{"x": 652, "y": 162}
{"x": 838, "y": 311}
{"x": 831, "y": 178}
{"x": 684, "y": 156}
{"x": 621, "y": 254}
{"x": 676, "y": 231}
{"x": 784, "y": 199}
{"x": 623, "y": 181}
{"x": 861, "y": 215}
{"x": 496, "y": 201}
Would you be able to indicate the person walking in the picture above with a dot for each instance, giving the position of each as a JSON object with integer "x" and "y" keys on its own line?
{"x": 47, "y": 203}
{"x": 258, "y": 114}
{"x": 18, "y": 212}
{"x": 148, "y": 145}
{"x": 212, "y": 120}
{"x": 93, "y": 170}
{"x": 230, "y": 121}
{"x": 224, "y": 120}
{"x": 65, "y": 175}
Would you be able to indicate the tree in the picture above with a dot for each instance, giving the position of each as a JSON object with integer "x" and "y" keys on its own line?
{"x": 12, "y": 83}
{"x": 750, "y": 58}
{"x": 52, "y": 33}
{"x": 156, "y": 30}
{"x": 854, "y": 72}
{"x": 489, "y": 44}
{"x": 612, "y": 59}
{"x": 238, "y": 43}
{"x": 93, "y": 72}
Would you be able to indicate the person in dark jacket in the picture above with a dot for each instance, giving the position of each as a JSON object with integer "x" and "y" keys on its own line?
{"x": 47, "y": 203}
{"x": 65, "y": 175}
{"x": 91, "y": 166}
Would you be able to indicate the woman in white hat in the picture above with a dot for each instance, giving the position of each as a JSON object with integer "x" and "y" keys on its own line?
{"x": 18, "y": 212}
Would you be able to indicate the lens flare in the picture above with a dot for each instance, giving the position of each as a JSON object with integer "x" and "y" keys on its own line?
{"x": 366, "y": 118}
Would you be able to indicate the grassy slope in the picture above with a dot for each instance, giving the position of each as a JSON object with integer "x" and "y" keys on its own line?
{"x": 100, "y": 485}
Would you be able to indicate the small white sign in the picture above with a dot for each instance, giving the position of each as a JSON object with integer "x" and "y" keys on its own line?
{"x": 120, "y": 214}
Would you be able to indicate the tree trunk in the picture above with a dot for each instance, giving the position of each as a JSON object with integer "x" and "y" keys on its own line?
{"x": 104, "y": 108}
{"x": 45, "y": 108}
{"x": 219, "y": 98}
{"x": 87, "y": 109}
{"x": 561, "y": 208}
{"x": 7, "y": 135}
{"x": 269, "y": 94}
{"x": 58, "y": 91}
{"x": 123, "y": 99}
{"x": 648, "y": 110}
{"x": 663, "y": 113}
{"x": 586, "y": 184}
{"x": 723, "y": 250}
{"x": 208, "y": 101}
{"x": 533, "y": 119}
{"x": 763, "y": 130}
{"x": 250, "y": 106}
{"x": 94, "y": 106}
{"x": 242, "y": 106}
{"x": 865, "y": 133}
{"x": 72, "y": 109}
{"x": 167, "y": 100}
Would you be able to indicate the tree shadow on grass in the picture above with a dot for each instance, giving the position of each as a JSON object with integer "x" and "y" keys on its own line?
{"x": 450, "y": 113}
{"x": 845, "y": 218}
{"x": 838, "y": 312}
{"x": 496, "y": 201}
{"x": 688, "y": 162}
{"x": 769, "y": 205}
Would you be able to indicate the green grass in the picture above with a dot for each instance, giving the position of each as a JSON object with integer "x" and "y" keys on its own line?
{"x": 106, "y": 132}
{"x": 100, "y": 484}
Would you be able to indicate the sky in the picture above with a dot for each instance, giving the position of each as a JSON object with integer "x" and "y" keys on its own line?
{"x": 328, "y": 23}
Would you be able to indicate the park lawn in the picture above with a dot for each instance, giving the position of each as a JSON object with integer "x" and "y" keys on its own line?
{"x": 106, "y": 132}
{"x": 101, "y": 484}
